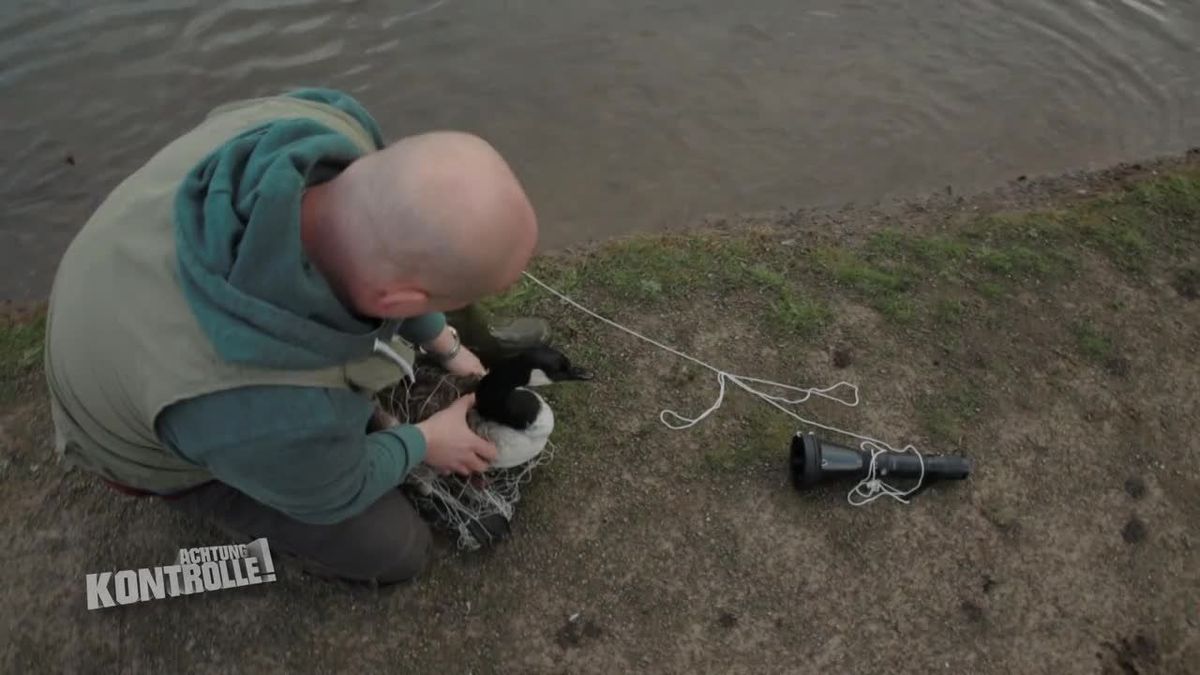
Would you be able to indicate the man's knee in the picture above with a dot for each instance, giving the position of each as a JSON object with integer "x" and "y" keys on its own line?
{"x": 386, "y": 543}
{"x": 389, "y": 543}
{"x": 400, "y": 556}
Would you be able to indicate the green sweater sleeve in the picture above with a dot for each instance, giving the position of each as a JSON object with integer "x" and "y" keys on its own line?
{"x": 301, "y": 450}
{"x": 422, "y": 328}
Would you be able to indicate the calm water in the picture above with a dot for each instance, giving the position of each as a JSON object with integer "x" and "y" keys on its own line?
{"x": 617, "y": 116}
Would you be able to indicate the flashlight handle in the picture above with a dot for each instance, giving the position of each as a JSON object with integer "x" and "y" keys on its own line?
{"x": 906, "y": 465}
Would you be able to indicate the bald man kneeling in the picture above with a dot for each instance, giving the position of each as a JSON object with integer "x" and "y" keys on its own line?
{"x": 216, "y": 328}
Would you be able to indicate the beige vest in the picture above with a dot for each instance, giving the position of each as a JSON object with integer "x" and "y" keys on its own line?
{"x": 122, "y": 343}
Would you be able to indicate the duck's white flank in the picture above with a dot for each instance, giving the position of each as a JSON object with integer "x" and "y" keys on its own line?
{"x": 517, "y": 446}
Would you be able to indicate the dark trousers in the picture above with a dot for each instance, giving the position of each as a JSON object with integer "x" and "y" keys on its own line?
{"x": 386, "y": 543}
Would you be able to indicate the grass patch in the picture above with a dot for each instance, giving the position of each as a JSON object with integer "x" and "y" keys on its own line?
{"x": 800, "y": 317}
{"x": 893, "y": 270}
{"x": 1176, "y": 196}
{"x": 916, "y": 255}
{"x": 991, "y": 290}
{"x": 851, "y": 270}
{"x": 21, "y": 344}
{"x": 1038, "y": 229}
{"x": 883, "y": 283}
{"x": 767, "y": 278}
{"x": 652, "y": 269}
{"x": 1163, "y": 213}
{"x": 944, "y": 415}
{"x": 1091, "y": 343}
{"x": 897, "y": 308}
{"x": 948, "y": 311}
{"x": 1118, "y": 232}
{"x": 1186, "y": 282}
{"x": 523, "y": 297}
{"x": 791, "y": 314}
{"x": 762, "y": 439}
{"x": 1014, "y": 261}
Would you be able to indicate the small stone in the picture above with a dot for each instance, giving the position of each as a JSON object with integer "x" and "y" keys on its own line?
{"x": 988, "y": 584}
{"x": 1135, "y": 487}
{"x": 842, "y": 357}
{"x": 1134, "y": 531}
{"x": 727, "y": 619}
{"x": 972, "y": 611}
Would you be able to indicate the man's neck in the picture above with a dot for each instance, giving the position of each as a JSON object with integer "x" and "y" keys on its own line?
{"x": 318, "y": 232}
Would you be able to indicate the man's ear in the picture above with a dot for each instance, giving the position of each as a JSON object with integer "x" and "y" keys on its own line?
{"x": 401, "y": 302}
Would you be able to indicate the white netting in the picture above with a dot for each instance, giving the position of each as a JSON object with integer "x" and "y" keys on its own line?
{"x": 475, "y": 510}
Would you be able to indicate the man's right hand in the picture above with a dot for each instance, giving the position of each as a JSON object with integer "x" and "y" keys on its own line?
{"x": 451, "y": 446}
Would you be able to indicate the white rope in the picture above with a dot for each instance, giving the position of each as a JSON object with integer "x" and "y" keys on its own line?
{"x": 871, "y": 487}
{"x": 867, "y": 490}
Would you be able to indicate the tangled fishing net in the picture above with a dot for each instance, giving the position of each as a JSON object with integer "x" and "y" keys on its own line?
{"x": 475, "y": 510}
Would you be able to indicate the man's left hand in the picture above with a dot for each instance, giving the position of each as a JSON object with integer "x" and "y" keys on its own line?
{"x": 465, "y": 363}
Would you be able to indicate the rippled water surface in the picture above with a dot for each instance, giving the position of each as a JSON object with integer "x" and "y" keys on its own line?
{"x": 618, "y": 116}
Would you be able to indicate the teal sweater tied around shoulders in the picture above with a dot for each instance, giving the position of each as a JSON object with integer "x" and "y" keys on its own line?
{"x": 301, "y": 450}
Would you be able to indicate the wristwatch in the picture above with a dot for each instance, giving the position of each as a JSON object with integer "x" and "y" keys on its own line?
{"x": 446, "y": 356}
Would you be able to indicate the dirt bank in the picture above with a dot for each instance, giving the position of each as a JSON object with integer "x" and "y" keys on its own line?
{"x": 1050, "y": 330}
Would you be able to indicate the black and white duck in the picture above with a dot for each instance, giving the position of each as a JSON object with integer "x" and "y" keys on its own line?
{"x": 507, "y": 411}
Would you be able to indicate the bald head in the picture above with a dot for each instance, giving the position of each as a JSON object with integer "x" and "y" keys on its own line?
{"x": 430, "y": 223}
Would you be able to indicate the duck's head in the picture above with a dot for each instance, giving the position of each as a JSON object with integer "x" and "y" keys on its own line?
{"x": 498, "y": 396}
{"x": 537, "y": 366}
{"x": 533, "y": 367}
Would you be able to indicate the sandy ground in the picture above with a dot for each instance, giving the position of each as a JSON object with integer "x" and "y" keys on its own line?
{"x": 1074, "y": 548}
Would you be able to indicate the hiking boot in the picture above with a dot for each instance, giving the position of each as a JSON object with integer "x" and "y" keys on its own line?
{"x": 520, "y": 334}
{"x": 493, "y": 341}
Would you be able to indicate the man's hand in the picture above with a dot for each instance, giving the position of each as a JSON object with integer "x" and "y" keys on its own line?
{"x": 465, "y": 363}
{"x": 450, "y": 444}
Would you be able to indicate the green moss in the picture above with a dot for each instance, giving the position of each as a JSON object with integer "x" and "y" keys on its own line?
{"x": 21, "y": 343}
